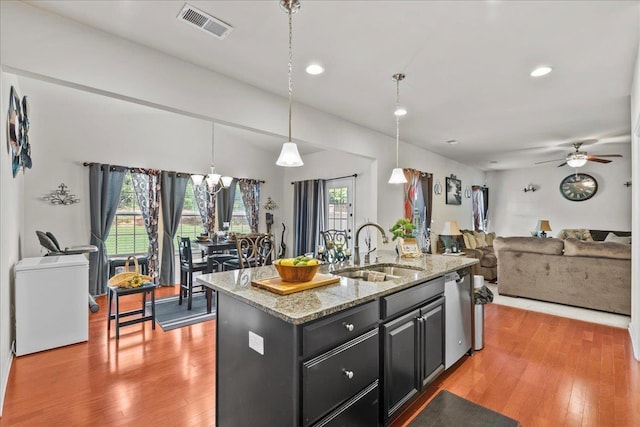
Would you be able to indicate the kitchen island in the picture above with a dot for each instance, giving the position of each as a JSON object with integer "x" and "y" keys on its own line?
{"x": 322, "y": 356}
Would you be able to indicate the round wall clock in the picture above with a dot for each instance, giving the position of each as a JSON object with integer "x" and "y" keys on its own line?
{"x": 578, "y": 187}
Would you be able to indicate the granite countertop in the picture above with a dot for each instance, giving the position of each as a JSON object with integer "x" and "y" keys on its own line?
{"x": 304, "y": 306}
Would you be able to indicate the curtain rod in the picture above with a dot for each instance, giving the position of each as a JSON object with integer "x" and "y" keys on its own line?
{"x": 355, "y": 175}
{"x": 135, "y": 169}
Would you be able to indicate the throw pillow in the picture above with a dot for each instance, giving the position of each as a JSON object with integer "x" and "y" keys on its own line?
{"x": 465, "y": 238}
{"x": 577, "y": 233}
{"x": 489, "y": 238}
{"x": 611, "y": 237}
{"x": 480, "y": 242}
{"x": 472, "y": 241}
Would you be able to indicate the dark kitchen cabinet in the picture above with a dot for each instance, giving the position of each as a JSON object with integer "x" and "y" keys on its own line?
{"x": 413, "y": 354}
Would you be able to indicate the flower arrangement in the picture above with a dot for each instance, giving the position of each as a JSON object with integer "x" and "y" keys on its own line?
{"x": 136, "y": 281}
{"x": 402, "y": 228}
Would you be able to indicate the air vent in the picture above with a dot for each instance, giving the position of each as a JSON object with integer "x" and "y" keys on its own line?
{"x": 204, "y": 21}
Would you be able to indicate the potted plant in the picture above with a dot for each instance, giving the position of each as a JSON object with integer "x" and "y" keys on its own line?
{"x": 403, "y": 228}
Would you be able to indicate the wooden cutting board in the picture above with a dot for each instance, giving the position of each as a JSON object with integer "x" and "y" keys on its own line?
{"x": 277, "y": 285}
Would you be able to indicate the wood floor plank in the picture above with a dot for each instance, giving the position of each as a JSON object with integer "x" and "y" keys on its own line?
{"x": 541, "y": 370}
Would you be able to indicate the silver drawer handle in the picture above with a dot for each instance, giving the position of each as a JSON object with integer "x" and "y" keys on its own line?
{"x": 348, "y": 374}
{"x": 348, "y": 326}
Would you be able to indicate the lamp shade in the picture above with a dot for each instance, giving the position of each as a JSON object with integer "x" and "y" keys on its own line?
{"x": 226, "y": 181}
{"x": 543, "y": 225}
{"x": 397, "y": 176}
{"x": 450, "y": 229}
{"x": 289, "y": 156}
{"x": 197, "y": 179}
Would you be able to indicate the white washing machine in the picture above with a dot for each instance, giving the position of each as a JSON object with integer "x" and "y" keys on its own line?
{"x": 51, "y": 302}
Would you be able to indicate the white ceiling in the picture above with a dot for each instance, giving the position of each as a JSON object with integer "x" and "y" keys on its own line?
{"x": 467, "y": 65}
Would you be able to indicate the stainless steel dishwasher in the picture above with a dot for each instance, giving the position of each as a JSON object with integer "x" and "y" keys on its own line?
{"x": 457, "y": 292}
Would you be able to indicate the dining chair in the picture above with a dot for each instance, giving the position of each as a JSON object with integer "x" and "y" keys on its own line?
{"x": 187, "y": 267}
{"x": 254, "y": 250}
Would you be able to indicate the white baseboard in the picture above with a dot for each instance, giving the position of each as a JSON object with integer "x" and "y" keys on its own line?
{"x": 5, "y": 380}
{"x": 635, "y": 342}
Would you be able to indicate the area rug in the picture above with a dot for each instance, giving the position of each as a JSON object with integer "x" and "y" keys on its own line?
{"x": 447, "y": 409}
{"x": 170, "y": 315}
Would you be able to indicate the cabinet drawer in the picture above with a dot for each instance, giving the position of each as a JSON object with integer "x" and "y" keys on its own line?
{"x": 333, "y": 377}
{"x": 338, "y": 328}
{"x": 360, "y": 411}
{"x": 400, "y": 301}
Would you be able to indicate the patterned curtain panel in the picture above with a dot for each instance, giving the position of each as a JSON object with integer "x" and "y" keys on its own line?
{"x": 418, "y": 197}
{"x": 105, "y": 184}
{"x": 147, "y": 188}
{"x": 250, "y": 189}
{"x": 309, "y": 215}
{"x": 201, "y": 194}
{"x": 480, "y": 202}
{"x": 224, "y": 201}
{"x": 173, "y": 187}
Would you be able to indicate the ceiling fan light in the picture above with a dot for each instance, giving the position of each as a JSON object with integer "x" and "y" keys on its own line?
{"x": 577, "y": 160}
{"x": 397, "y": 176}
{"x": 289, "y": 156}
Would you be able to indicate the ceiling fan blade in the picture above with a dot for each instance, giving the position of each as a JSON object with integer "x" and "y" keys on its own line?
{"x": 595, "y": 159}
{"x": 548, "y": 161}
{"x": 562, "y": 164}
{"x": 606, "y": 155}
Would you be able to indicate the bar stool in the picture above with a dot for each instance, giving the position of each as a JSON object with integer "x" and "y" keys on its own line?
{"x": 114, "y": 297}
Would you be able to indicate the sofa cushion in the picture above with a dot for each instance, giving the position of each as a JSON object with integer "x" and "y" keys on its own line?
{"x": 612, "y": 237}
{"x": 470, "y": 241}
{"x": 529, "y": 244}
{"x": 479, "y": 236}
{"x": 576, "y": 233}
{"x": 489, "y": 238}
{"x": 575, "y": 247}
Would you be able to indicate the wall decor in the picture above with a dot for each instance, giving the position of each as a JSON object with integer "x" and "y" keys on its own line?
{"x": 437, "y": 187}
{"x": 18, "y": 143}
{"x": 578, "y": 187}
{"x": 61, "y": 196}
{"x": 454, "y": 190}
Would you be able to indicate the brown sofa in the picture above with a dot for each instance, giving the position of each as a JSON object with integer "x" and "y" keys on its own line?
{"x": 478, "y": 245}
{"x": 589, "y": 274}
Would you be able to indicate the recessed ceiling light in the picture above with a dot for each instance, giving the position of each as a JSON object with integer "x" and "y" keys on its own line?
{"x": 400, "y": 111}
{"x": 452, "y": 142}
{"x": 541, "y": 71}
{"x": 315, "y": 69}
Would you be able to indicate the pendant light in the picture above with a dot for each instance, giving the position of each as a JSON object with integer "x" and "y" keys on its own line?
{"x": 215, "y": 179}
{"x": 289, "y": 156}
{"x": 397, "y": 175}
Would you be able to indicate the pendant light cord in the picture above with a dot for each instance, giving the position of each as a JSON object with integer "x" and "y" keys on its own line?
{"x": 290, "y": 66}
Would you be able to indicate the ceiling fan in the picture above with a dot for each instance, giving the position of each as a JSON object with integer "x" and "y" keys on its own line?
{"x": 579, "y": 158}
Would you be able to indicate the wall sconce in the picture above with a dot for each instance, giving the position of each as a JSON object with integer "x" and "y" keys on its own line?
{"x": 627, "y": 184}
{"x": 437, "y": 187}
{"x": 467, "y": 192}
{"x": 529, "y": 187}
{"x": 270, "y": 206}
{"x": 61, "y": 196}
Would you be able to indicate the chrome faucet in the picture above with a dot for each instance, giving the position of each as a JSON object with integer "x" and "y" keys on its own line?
{"x": 356, "y": 249}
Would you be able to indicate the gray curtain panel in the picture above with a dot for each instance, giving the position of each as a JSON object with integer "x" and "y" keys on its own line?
{"x": 309, "y": 215}
{"x": 105, "y": 184}
{"x": 146, "y": 186}
{"x": 224, "y": 201}
{"x": 172, "y": 190}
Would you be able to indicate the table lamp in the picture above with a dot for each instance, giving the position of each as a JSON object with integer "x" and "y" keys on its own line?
{"x": 449, "y": 230}
{"x": 543, "y": 226}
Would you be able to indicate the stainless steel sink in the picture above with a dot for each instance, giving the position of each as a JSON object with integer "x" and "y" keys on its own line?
{"x": 389, "y": 272}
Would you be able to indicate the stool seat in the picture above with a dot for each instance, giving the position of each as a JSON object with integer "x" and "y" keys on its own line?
{"x": 114, "y": 297}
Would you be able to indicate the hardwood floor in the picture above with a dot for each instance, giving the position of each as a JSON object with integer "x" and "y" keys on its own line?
{"x": 539, "y": 369}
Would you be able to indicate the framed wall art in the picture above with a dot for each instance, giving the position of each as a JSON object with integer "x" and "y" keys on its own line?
{"x": 454, "y": 191}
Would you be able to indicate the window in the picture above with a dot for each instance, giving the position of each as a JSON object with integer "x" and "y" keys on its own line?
{"x": 190, "y": 221}
{"x": 239, "y": 223}
{"x": 339, "y": 205}
{"x": 127, "y": 235}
